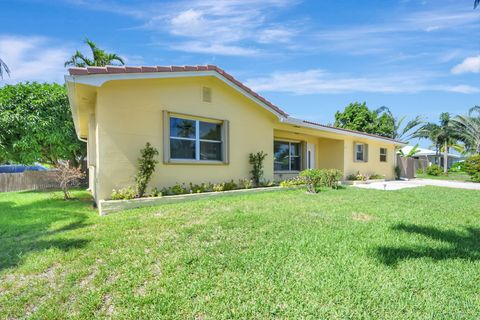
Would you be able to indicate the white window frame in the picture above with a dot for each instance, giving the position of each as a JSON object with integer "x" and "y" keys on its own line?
{"x": 383, "y": 154}
{"x": 167, "y": 138}
{"x": 290, "y": 156}
{"x": 364, "y": 147}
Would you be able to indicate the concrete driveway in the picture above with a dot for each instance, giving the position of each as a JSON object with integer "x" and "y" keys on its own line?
{"x": 397, "y": 185}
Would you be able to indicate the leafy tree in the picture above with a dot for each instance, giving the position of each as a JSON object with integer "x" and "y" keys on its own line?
{"x": 357, "y": 116}
{"x": 468, "y": 129}
{"x": 100, "y": 57}
{"x": 36, "y": 125}
{"x": 146, "y": 167}
{"x": 443, "y": 135}
{"x": 3, "y": 68}
{"x": 402, "y": 132}
{"x": 67, "y": 176}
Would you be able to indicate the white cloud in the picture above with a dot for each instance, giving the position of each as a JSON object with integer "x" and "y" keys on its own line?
{"x": 214, "y": 48}
{"x": 469, "y": 65}
{"x": 317, "y": 81}
{"x": 33, "y": 59}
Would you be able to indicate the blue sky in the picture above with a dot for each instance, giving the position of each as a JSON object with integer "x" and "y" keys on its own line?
{"x": 311, "y": 58}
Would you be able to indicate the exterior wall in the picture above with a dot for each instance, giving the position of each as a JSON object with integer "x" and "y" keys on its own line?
{"x": 373, "y": 165}
{"x": 330, "y": 154}
{"x": 129, "y": 114}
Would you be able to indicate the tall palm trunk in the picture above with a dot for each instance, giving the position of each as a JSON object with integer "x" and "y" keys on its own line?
{"x": 445, "y": 158}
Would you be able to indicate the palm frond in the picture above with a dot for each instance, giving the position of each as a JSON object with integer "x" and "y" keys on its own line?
{"x": 476, "y": 3}
{"x": 4, "y": 68}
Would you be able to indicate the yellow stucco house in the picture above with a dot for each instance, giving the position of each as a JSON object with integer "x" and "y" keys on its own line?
{"x": 205, "y": 123}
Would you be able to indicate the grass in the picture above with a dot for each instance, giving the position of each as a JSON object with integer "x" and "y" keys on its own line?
{"x": 455, "y": 176}
{"x": 351, "y": 253}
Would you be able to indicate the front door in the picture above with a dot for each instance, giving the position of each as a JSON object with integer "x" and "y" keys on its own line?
{"x": 310, "y": 156}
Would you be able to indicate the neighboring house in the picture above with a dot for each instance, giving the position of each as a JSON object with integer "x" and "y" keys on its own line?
{"x": 205, "y": 124}
{"x": 433, "y": 157}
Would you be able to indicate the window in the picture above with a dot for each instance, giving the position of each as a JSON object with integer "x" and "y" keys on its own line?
{"x": 287, "y": 156}
{"x": 195, "y": 140}
{"x": 383, "y": 154}
{"x": 360, "y": 152}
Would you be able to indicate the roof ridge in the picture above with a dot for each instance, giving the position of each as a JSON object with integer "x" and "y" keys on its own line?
{"x": 110, "y": 69}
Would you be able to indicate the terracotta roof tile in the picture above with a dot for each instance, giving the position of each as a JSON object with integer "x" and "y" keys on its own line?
{"x": 133, "y": 69}
{"x": 115, "y": 69}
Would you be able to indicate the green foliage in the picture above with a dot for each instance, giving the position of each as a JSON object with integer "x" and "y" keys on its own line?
{"x": 357, "y": 116}
{"x": 245, "y": 183}
{"x": 472, "y": 167}
{"x": 36, "y": 125}
{"x": 316, "y": 178}
{"x": 176, "y": 189}
{"x": 126, "y": 193}
{"x": 155, "y": 192}
{"x": 420, "y": 171}
{"x": 100, "y": 57}
{"x": 256, "y": 160}
{"x": 293, "y": 182}
{"x": 434, "y": 170}
{"x": 358, "y": 177}
{"x": 411, "y": 153}
{"x": 145, "y": 168}
{"x": 398, "y": 172}
{"x": 376, "y": 176}
{"x": 457, "y": 167}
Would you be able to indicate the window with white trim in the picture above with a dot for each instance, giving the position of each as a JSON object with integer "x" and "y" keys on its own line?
{"x": 196, "y": 140}
{"x": 286, "y": 156}
{"x": 360, "y": 152}
{"x": 383, "y": 154}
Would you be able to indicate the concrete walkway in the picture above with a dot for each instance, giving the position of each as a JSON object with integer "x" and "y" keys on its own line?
{"x": 397, "y": 185}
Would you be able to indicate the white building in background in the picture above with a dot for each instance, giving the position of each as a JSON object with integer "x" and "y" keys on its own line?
{"x": 433, "y": 157}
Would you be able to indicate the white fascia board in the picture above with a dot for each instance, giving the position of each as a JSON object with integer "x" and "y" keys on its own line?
{"x": 73, "y": 107}
{"x": 299, "y": 122}
{"x": 98, "y": 80}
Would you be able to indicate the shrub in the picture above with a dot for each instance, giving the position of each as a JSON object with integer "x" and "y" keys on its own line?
{"x": 156, "y": 192}
{"x": 267, "y": 183}
{"x": 146, "y": 167}
{"x": 67, "y": 176}
{"x": 434, "y": 170}
{"x": 398, "y": 172}
{"x": 472, "y": 167}
{"x": 312, "y": 179}
{"x": 420, "y": 171}
{"x": 358, "y": 177}
{"x": 297, "y": 181}
{"x": 331, "y": 177}
{"x": 245, "y": 183}
{"x": 126, "y": 193}
{"x": 231, "y": 185}
{"x": 315, "y": 178}
{"x": 457, "y": 167}
{"x": 256, "y": 160}
{"x": 217, "y": 187}
{"x": 377, "y": 176}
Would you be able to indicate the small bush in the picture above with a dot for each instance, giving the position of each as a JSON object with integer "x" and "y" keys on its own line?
{"x": 126, "y": 193}
{"x": 156, "y": 192}
{"x": 256, "y": 160}
{"x": 472, "y": 167}
{"x": 245, "y": 184}
{"x": 420, "y": 171}
{"x": 146, "y": 167}
{"x": 434, "y": 170}
{"x": 358, "y": 177}
{"x": 457, "y": 167}
{"x": 376, "y": 176}
{"x": 398, "y": 172}
{"x": 231, "y": 185}
{"x": 293, "y": 182}
{"x": 316, "y": 178}
{"x": 217, "y": 187}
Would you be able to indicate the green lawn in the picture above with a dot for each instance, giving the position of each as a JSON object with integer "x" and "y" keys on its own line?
{"x": 456, "y": 176}
{"x": 351, "y": 253}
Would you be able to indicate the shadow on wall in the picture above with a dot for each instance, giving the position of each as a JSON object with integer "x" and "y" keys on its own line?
{"x": 23, "y": 231}
{"x": 461, "y": 245}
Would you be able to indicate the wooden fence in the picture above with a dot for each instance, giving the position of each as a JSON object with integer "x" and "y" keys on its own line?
{"x": 409, "y": 166}
{"x": 28, "y": 180}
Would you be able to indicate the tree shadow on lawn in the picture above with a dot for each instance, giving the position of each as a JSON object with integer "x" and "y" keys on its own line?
{"x": 462, "y": 246}
{"x": 26, "y": 228}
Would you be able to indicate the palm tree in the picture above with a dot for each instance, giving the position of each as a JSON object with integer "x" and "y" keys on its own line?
{"x": 476, "y": 3}
{"x": 468, "y": 129}
{"x": 443, "y": 135}
{"x": 100, "y": 57}
{"x": 402, "y": 132}
{"x": 3, "y": 68}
